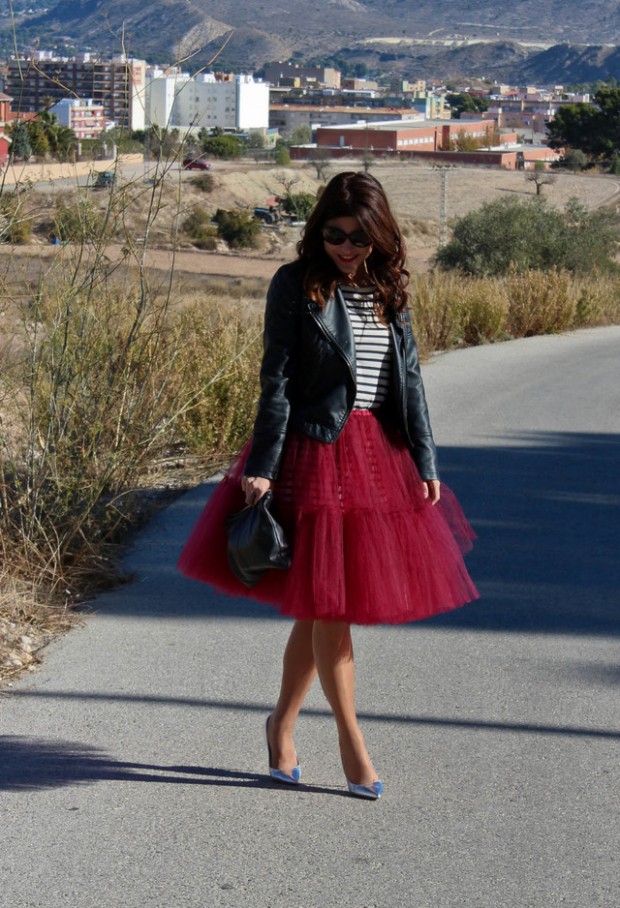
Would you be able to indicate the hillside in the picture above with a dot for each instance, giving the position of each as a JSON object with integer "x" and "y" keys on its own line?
{"x": 506, "y": 41}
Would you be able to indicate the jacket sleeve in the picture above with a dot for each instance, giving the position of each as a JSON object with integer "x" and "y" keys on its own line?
{"x": 280, "y": 341}
{"x": 418, "y": 422}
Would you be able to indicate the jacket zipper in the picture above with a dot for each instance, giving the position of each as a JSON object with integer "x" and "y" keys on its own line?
{"x": 401, "y": 340}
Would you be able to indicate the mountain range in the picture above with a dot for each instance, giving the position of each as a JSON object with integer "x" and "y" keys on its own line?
{"x": 563, "y": 41}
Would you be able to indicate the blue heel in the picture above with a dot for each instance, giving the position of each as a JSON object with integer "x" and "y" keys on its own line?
{"x": 278, "y": 775}
{"x": 372, "y": 791}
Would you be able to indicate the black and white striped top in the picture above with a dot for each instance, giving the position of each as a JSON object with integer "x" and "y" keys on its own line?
{"x": 372, "y": 348}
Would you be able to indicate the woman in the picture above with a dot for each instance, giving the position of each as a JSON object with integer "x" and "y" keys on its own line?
{"x": 343, "y": 439}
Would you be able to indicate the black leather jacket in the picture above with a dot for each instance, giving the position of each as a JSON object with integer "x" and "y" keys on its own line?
{"x": 308, "y": 377}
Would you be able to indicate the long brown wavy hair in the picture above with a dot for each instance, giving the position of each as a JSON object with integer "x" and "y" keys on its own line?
{"x": 361, "y": 196}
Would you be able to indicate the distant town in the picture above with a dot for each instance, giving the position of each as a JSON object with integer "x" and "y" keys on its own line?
{"x": 313, "y": 109}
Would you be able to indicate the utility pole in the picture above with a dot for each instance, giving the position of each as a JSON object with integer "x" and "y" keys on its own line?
{"x": 443, "y": 203}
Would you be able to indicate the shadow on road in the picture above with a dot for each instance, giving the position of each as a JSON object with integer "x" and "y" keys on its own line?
{"x": 30, "y": 764}
{"x": 546, "y": 508}
{"x": 547, "y": 513}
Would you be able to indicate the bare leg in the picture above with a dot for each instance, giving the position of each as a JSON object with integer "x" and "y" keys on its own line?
{"x": 299, "y": 671}
{"x": 333, "y": 653}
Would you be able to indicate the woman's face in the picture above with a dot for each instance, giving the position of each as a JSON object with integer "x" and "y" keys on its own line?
{"x": 347, "y": 245}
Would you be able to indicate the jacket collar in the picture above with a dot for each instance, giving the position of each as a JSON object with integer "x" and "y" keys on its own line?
{"x": 334, "y": 320}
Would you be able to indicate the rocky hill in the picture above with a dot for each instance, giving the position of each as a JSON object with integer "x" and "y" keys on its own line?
{"x": 415, "y": 37}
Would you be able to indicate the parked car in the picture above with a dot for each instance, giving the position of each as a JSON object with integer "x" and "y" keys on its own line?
{"x": 104, "y": 179}
{"x": 195, "y": 164}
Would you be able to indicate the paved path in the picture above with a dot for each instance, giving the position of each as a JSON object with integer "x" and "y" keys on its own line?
{"x": 132, "y": 767}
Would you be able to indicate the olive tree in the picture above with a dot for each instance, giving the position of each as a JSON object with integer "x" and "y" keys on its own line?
{"x": 509, "y": 234}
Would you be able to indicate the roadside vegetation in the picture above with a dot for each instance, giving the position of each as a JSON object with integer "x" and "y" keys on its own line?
{"x": 108, "y": 382}
{"x": 453, "y": 310}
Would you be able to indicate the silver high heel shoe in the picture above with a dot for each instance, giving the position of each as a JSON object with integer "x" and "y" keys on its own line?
{"x": 278, "y": 775}
{"x": 372, "y": 791}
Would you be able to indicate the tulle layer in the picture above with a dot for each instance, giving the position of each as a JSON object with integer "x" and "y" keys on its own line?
{"x": 368, "y": 548}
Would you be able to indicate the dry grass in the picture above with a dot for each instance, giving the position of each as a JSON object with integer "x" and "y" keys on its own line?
{"x": 103, "y": 381}
{"x": 450, "y": 310}
{"x": 27, "y": 624}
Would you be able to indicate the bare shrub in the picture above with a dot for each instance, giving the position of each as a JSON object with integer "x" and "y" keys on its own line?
{"x": 78, "y": 220}
{"x": 15, "y": 218}
{"x": 452, "y": 310}
{"x": 484, "y": 305}
{"x": 222, "y": 356}
{"x": 421, "y": 228}
{"x": 27, "y": 622}
{"x": 100, "y": 380}
{"x": 104, "y": 388}
{"x": 93, "y": 397}
{"x": 436, "y": 311}
{"x": 541, "y": 302}
{"x": 598, "y": 301}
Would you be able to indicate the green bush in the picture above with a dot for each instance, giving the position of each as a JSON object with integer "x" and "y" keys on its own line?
{"x": 591, "y": 241}
{"x": 204, "y": 182}
{"x": 199, "y": 229}
{"x": 512, "y": 235}
{"x": 299, "y": 204}
{"x": 223, "y": 146}
{"x": 238, "y": 228}
{"x": 282, "y": 156}
{"x": 575, "y": 160}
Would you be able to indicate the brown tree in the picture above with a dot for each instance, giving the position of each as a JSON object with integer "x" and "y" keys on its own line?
{"x": 540, "y": 177}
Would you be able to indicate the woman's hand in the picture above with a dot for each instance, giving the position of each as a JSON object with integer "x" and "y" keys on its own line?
{"x": 432, "y": 490}
{"x": 255, "y": 487}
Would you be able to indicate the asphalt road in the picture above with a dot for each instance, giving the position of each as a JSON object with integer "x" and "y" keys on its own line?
{"x": 132, "y": 766}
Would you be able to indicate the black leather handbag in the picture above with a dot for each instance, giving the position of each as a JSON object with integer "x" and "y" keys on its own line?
{"x": 256, "y": 542}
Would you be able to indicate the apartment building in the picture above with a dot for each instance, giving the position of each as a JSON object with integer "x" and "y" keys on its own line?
{"x": 117, "y": 84}
{"x": 85, "y": 118}
{"x": 5, "y": 108}
{"x": 209, "y": 100}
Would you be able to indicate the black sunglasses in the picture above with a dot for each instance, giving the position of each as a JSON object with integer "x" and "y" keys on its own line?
{"x": 336, "y": 237}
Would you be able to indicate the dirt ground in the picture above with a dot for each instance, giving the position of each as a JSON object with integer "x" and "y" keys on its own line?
{"x": 414, "y": 190}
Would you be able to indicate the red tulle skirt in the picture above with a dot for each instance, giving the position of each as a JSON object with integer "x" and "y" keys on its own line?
{"x": 368, "y": 548}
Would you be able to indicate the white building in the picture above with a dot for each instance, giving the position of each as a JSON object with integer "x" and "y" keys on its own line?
{"x": 161, "y": 89}
{"x": 206, "y": 101}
